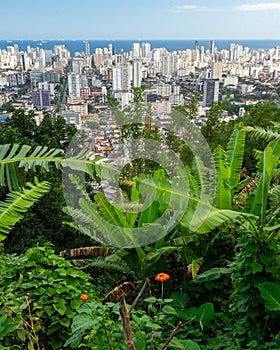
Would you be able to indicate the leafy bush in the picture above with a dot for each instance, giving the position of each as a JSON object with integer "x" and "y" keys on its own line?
{"x": 98, "y": 326}
{"x": 39, "y": 298}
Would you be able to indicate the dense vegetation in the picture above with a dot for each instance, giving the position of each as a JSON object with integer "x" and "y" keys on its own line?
{"x": 53, "y": 132}
{"x": 210, "y": 278}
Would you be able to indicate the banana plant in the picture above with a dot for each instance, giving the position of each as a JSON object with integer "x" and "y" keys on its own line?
{"x": 107, "y": 223}
{"x": 255, "y": 270}
{"x": 228, "y": 166}
{"x": 15, "y": 160}
{"x": 268, "y": 170}
{"x": 17, "y": 203}
{"x": 268, "y": 134}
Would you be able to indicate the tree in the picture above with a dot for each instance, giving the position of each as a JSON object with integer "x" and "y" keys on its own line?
{"x": 216, "y": 131}
{"x": 93, "y": 125}
{"x": 23, "y": 127}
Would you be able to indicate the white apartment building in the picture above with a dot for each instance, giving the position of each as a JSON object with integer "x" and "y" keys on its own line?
{"x": 137, "y": 73}
{"x": 76, "y": 83}
{"x": 163, "y": 89}
{"x": 122, "y": 76}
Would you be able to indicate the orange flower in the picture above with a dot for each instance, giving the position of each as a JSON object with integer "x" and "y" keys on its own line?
{"x": 162, "y": 277}
{"x": 84, "y": 297}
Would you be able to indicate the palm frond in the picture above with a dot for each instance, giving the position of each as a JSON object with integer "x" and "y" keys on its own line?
{"x": 17, "y": 203}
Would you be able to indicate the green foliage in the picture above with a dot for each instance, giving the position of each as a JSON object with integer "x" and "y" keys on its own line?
{"x": 211, "y": 275}
{"x": 267, "y": 134}
{"x": 28, "y": 150}
{"x": 255, "y": 263}
{"x": 138, "y": 95}
{"x": 17, "y": 203}
{"x": 51, "y": 286}
{"x": 268, "y": 161}
{"x": 241, "y": 260}
{"x": 261, "y": 115}
{"x": 98, "y": 326}
{"x": 17, "y": 164}
{"x": 14, "y": 157}
{"x": 184, "y": 344}
{"x": 270, "y": 293}
{"x": 216, "y": 131}
{"x": 228, "y": 165}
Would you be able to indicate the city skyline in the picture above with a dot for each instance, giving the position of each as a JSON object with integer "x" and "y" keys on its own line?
{"x": 153, "y": 19}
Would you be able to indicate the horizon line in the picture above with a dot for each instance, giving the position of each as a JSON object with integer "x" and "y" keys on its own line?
{"x": 146, "y": 39}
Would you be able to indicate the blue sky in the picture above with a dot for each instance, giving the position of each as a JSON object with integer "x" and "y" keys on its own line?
{"x": 135, "y": 19}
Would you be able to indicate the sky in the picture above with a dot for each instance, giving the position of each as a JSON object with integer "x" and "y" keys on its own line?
{"x": 140, "y": 19}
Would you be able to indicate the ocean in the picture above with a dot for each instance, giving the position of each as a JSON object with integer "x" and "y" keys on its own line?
{"x": 126, "y": 45}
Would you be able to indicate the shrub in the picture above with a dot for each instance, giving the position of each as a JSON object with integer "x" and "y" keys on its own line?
{"x": 39, "y": 298}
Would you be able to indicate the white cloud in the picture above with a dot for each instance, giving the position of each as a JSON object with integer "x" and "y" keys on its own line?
{"x": 184, "y": 8}
{"x": 259, "y": 7}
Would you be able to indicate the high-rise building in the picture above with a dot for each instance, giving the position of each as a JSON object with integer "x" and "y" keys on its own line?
{"x": 36, "y": 76}
{"x": 201, "y": 53}
{"x": 122, "y": 77}
{"x": 41, "y": 98}
{"x": 22, "y": 62}
{"x": 87, "y": 49}
{"x": 146, "y": 50}
{"x": 52, "y": 77}
{"x": 77, "y": 65}
{"x": 235, "y": 52}
{"x": 212, "y": 47}
{"x": 174, "y": 63}
{"x": 98, "y": 57}
{"x": 76, "y": 83}
{"x": 210, "y": 92}
{"x": 137, "y": 73}
{"x": 135, "y": 50}
{"x": 165, "y": 65}
{"x": 16, "y": 49}
{"x": 110, "y": 49}
{"x": 116, "y": 78}
{"x": 217, "y": 70}
{"x": 163, "y": 89}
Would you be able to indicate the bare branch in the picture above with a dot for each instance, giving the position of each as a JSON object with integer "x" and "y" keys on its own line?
{"x": 126, "y": 325}
{"x": 172, "y": 335}
{"x": 138, "y": 296}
